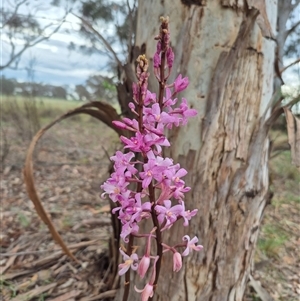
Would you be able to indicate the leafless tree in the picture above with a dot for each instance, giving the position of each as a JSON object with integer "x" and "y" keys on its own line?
{"x": 21, "y": 30}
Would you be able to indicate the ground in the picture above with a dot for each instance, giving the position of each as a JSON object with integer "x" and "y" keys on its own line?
{"x": 70, "y": 163}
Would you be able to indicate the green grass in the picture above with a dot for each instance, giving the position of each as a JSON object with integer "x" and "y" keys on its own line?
{"x": 23, "y": 220}
{"x": 41, "y": 103}
{"x": 284, "y": 180}
{"x": 8, "y": 287}
{"x": 272, "y": 240}
{"x": 45, "y": 102}
{"x": 282, "y": 164}
{"x": 48, "y": 109}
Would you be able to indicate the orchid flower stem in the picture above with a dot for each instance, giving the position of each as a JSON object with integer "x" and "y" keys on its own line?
{"x": 162, "y": 84}
{"x": 139, "y": 188}
{"x": 162, "y": 81}
{"x": 157, "y": 231}
{"x": 127, "y": 275}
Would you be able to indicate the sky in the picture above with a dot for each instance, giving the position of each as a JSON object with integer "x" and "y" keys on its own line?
{"x": 56, "y": 65}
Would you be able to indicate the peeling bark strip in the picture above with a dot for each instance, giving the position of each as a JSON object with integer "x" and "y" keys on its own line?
{"x": 293, "y": 127}
{"x": 262, "y": 20}
{"x": 259, "y": 5}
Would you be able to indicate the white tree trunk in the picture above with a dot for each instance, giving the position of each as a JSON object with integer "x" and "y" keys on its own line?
{"x": 220, "y": 47}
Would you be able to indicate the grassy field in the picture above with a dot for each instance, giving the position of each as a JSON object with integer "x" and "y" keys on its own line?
{"x": 41, "y": 102}
{"x": 46, "y": 108}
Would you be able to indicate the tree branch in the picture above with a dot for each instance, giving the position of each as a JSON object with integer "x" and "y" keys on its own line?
{"x": 291, "y": 30}
{"x": 290, "y": 65}
{"x": 99, "y": 35}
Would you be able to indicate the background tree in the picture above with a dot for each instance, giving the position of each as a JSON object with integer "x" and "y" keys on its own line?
{"x": 21, "y": 30}
{"x": 102, "y": 88}
{"x": 82, "y": 92}
{"x": 7, "y": 86}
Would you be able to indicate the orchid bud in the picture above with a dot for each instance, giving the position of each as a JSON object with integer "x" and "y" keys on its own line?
{"x": 158, "y": 47}
{"x": 143, "y": 266}
{"x": 119, "y": 124}
{"x": 177, "y": 262}
{"x": 156, "y": 60}
{"x": 170, "y": 57}
{"x": 180, "y": 83}
{"x": 131, "y": 106}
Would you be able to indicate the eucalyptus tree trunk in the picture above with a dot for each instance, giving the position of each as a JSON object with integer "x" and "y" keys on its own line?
{"x": 221, "y": 46}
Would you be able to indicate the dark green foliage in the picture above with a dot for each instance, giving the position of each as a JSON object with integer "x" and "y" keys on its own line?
{"x": 18, "y": 22}
{"x": 97, "y": 10}
{"x": 7, "y": 86}
{"x": 82, "y": 93}
{"x": 12, "y": 87}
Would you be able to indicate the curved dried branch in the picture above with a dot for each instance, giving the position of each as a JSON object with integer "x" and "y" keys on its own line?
{"x": 103, "y": 112}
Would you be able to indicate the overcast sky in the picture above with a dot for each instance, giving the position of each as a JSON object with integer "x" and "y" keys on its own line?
{"x": 55, "y": 64}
